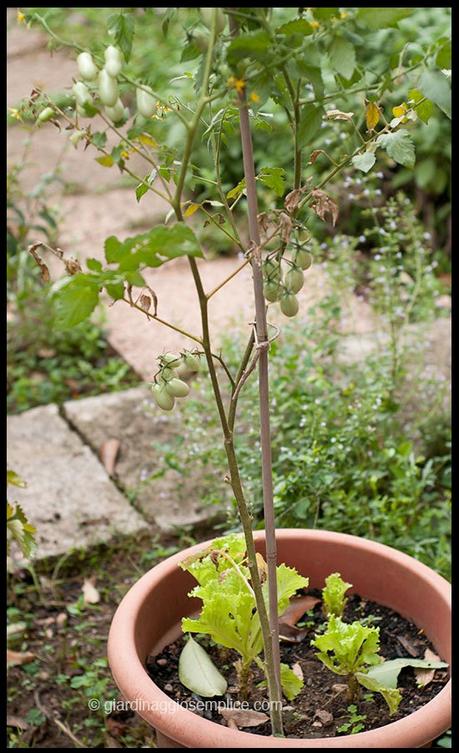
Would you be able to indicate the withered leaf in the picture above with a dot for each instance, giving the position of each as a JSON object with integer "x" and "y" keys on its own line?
{"x": 324, "y": 716}
{"x": 338, "y": 115}
{"x": 45, "y": 276}
{"x": 285, "y": 227}
{"x": 424, "y": 676}
{"x": 145, "y": 302}
{"x": 323, "y": 205}
{"x": 238, "y": 718}
{"x": 16, "y": 721}
{"x": 17, "y": 658}
{"x": 72, "y": 266}
{"x": 297, "y": 608}
{"x": 372, "y": 115}
{"x": 108, "y": 453}
{"x": 90, "y": 593}
{"x": 291, "y": 634}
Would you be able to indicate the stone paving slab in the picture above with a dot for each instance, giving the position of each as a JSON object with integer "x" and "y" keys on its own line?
{"x": 69, "y": 496}
{"x": 165, "y": 496}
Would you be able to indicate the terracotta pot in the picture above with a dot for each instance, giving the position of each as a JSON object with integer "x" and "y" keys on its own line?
{"x": 149, "y": 618}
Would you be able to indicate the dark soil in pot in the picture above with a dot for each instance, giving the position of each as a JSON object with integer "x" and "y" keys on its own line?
{"x": 322, "y": 707}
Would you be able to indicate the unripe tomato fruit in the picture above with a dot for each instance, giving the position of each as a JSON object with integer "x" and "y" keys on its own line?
{"x": 303, "y": 259}
{"x": 162, "y": 398}
{"x": 201, "y": 41}
{"x": 145, "y": 102}
{"x": 272, "y": 291}
{"x": 171, "y": 359}
{"x": 45, "y": 115}
{"x": 113, "y": 61}
{"x": 108, "y": 89}
{"x": 294, "y": 280}
{"x": 272, "y": 270}
{"x": 192, "y": 361}
{"x": 206, "y": 16}
{"x": 116, "y": 113}
{"x": 86, "y": 66}
{"x": 81, "y": 92}
{"x": 289, "y": 304}
{"x": 167, "y": 373}
{"x": 177, "y": 388}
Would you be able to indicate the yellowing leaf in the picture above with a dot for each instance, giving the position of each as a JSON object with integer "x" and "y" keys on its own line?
{"x": 147, "y": 140}
{"x": 399, "y": 111}
{"x": 191, "y": 209}
{"x": 105, "y": 160}
{"x": 372, "y": 115}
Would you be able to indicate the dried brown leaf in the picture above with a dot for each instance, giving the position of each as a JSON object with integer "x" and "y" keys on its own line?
{"x": 90, "y": 593}
{"x": 408, "y": 646}
{"x": 145, "y": 302}
{"x": 16, "y": 721}
{"x": 17, "y": 658}
{"x": 72, "y": 266}
{"x": 296, "y": 669}
{"x": 291, "y": 634}
{"x": 238, "y": 718}
{"x": 323, "y": 205}
{"x": 262, "y": 567}
{"x": 44, "y": 271}
{"x": 324, "y": 716}
{"x": 285, "y": 227}
{"x": 108, "y": 454}
{"x": 338, "y": 115}
{"x": 424, "y": 676}
{"x": 297, "y": 607}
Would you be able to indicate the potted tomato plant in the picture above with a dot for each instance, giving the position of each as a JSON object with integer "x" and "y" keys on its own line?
{"x": 235, "y": 592}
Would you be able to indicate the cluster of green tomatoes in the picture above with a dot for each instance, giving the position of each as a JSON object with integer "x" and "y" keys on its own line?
{"x": 282, "y": 285}
{"x": 167, "y": 385}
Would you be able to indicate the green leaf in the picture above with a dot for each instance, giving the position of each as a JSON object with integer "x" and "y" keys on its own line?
{"x": 288, "y": 583}
{"x": 291, "y": 683}
{"x": 443, "y": 59}
{"x": 313, "y": 74}
{"x": 115, "y": 290}
{"x": 325, "y": 14}
{"x": 382, "y": 18}
{"x": 273, "y": 177}
{"x": 153, "y": 248}
{"x": 99, "y": 139}
{"x": 333, "y": 594}
{"x": 390, "y": 695}
{"x": 256, "y": 45}
{"x": 399, "y": 146}
{"x": 364, "y": 161}
{"x": 342, "y": 57}
{"x": 436, "y": 87}
{"x": 426, "y": 109}
{"x": 20, "y": 529}
{"x": 297, "y": 26}
{"x": 75, "y": 301}
{"x": 347, "y": 647}
{"x": 191, "y": 51}
{"x": 12, "y": 479}
{"x": 310, "y": 122}
{"x": 235, "y": 192}
{"x": 387, "y": 672}
{"x": 106, "y": 160}
{"x": 198, "y": 673}
{"x": 94, "y": 265}
{"x": 121, "y": 27}
{"x": 141, "y": 189}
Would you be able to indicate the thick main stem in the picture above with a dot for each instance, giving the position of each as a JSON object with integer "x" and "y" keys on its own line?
{"x": 263, "y": 384}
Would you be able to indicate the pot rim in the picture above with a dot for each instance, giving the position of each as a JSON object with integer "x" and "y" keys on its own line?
{"x": 192, "y": 730}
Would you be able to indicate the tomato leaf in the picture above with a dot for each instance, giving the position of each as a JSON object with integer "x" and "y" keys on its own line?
{"x": 399, "y": 146}
{"x": 435, "y": 86}
{"x": 364, "y": 161}
{"x": 342, "y": 56}
{"x": 310, "y": 122}
{"x": 382, "y": 18}
{"x": 76, "y": 300}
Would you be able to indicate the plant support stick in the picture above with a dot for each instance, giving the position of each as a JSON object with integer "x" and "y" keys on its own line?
{"x": 263, "y": 384}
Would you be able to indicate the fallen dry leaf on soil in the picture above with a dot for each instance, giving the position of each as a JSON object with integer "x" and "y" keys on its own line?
{"x": 17, "y": 658}
{"x": 408, "y": 646}
{"x": 324, "y": 716}
{"x": 108, "y": 453}
{"x": 424, "y": 676}
{"x": 297, "y": 608}
{"x": 237, "y": 718}
{"x": 296, "y": 669}
{"x": 291, "y": 634}
{"x": 90, "y": 593}
{"x": 16, "y": 721}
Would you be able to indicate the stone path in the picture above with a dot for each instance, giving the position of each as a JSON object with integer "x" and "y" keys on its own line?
{"x": 69, "y": 496}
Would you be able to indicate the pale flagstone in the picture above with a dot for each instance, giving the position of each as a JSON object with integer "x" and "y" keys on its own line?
{"x": 165, "y": 496}
{"x": 69, "y": 496}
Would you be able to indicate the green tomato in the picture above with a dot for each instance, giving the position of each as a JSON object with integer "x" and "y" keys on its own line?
{"x": 108, "y": 89}
{"x": 113, "y": 61}
{"x": 294, "y": 280}
{"x": 162, "y": 398}
{"x": 201, "y": 41}
{"x": 146, "y": 103}
{"x": 86, "y": 66}
{"x": 116, "y": 113}
{"x": 272, "y": 270}
{"x": 177, "y": 388}
{"x": 272, "y": 291}
{"x": 289, "y": 304}
{"x": 206, "y": 16}
{"x": 171, "y": 360}
{"x": 82, "y": 95}
{"x": 167, "y": 373}
{"x": 192, "y": 361}
{"x": 302, "y": 259}
{"x": 45, "y": 115}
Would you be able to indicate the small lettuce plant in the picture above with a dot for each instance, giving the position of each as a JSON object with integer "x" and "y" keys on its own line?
{"x": 229, "y": 612}
{"x": 333, "y": 595}
{"x": 350, "y": 649}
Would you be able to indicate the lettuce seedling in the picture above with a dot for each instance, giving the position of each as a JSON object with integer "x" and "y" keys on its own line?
{"x": 350, "y": 649}
{"x": 333, "y": 596}
{"x": 229, "y": 614}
